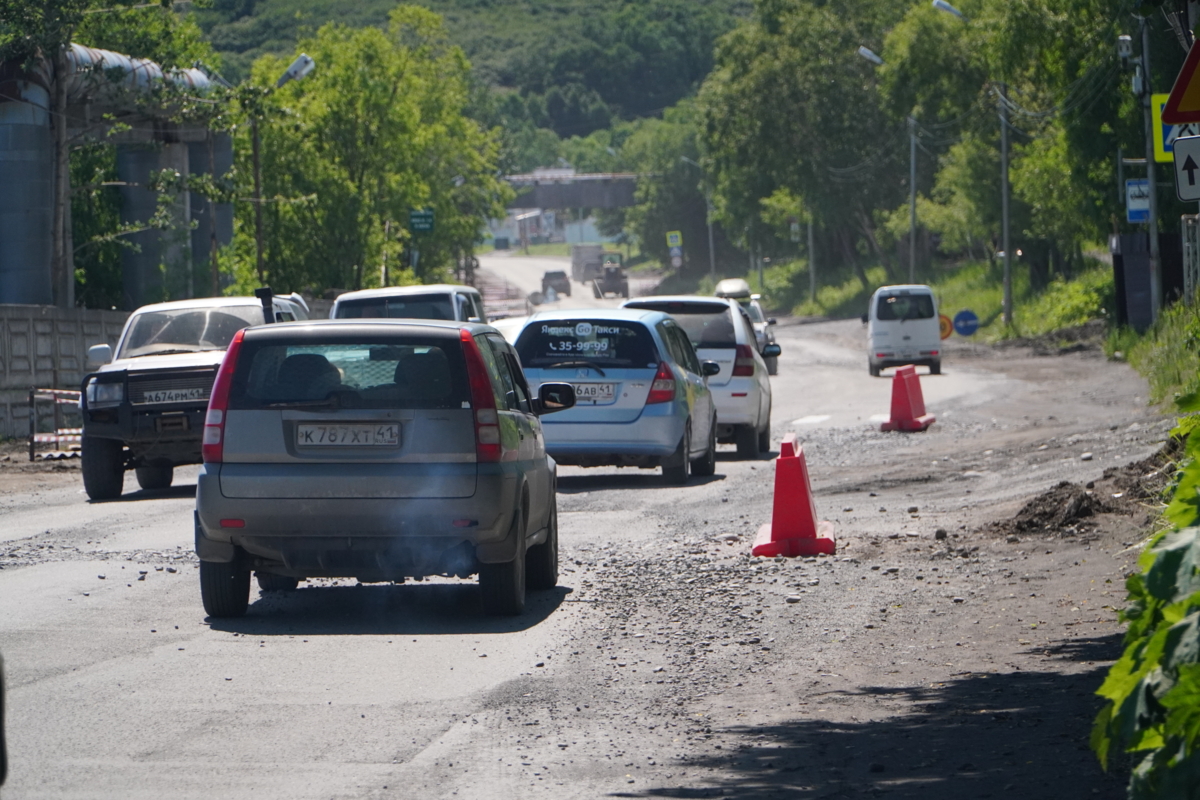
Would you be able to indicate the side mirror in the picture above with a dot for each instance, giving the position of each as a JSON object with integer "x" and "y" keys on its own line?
{"x": 555, "y": 397}
{"x": 474, "y": 319}
{"x": 771, "y": 350}
{"x": 864, "y": 319}
{"x": 99, "y": 354}
{"x": 710, "y": 368}
{"x": 772, "y": 321}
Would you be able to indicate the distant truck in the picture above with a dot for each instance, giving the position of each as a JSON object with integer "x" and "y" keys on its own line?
{"x": 613, "y": 281}
{"x": 587, "y": 262}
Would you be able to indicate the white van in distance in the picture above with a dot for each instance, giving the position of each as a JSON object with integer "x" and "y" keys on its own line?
{"x": 902, "y": 328}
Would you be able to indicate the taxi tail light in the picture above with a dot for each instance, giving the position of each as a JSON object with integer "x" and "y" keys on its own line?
{"x": 483, "y": 402}
{"x": 212, "y": 446}
{"x": 743, "y": 362}
{"x": 663, "y": 388}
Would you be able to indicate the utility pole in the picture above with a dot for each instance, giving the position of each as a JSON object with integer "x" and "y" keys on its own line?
{"x": 1004, "y": 239}
{"x": 712, "y": 254}
{"x": 812, "y": 265}
{"x": 1155, "y": 262}
{"x": 255, "y": 147}
{"x": 912, "y": 200}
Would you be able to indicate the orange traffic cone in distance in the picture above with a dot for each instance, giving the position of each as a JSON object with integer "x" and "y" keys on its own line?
{"x": 908, "y": 403}
{"x": 794, "y": 529}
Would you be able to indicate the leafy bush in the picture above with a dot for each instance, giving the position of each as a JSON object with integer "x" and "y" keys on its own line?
{"x": 1169, "y": 354}
{"x": 1065, "y": 304}
{"x": 1153, "y": 691}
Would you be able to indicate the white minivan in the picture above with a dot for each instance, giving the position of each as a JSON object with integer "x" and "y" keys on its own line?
{"x": 441, "y": 301}
{"x": 902, "y": 328}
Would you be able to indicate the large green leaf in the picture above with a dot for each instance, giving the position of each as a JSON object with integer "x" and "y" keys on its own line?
{"x": 1175, "y": 573}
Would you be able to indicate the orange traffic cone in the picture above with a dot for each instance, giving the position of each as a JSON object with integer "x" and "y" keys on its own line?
{"x": 908, "y": 404}
{"x": 794, "y": 530}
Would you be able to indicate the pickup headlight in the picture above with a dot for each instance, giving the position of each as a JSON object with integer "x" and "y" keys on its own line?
{"x": 104, "y": 394}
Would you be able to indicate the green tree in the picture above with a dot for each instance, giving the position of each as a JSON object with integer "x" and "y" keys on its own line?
{"x": 376, "y": 131}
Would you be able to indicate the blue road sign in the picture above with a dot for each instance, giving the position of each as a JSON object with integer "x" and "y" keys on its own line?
{"x": 676, "y": 252}
{"x": 966, "y": 323}
{"x": 1137, "y": 200}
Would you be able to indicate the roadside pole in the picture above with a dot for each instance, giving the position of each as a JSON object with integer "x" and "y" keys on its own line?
{"x": 1008, "y": 301}
{"x": 912, "y": 200}
{"x": 1145, "y": 99}
{"x": 812, "y": 265}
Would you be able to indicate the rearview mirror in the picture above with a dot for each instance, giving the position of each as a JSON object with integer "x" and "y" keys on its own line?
{"x": 555, "y": 397}
{"x": 99, "y": 354}
{"x": 710, "y": 368}
{"x": 771, "y": 350}
{"x": 772, "y": 321}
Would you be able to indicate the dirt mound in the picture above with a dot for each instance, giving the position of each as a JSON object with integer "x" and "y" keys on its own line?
{"x": 1051, "y": 511}
{"x": 1087, "y": 337}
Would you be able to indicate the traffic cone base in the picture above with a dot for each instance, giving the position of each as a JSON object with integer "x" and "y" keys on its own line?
{"x": 908, "y": 403}
{"x": 794, "y": 530}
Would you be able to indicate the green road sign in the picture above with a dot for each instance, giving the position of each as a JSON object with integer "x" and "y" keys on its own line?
{"x": 420, "y": 221}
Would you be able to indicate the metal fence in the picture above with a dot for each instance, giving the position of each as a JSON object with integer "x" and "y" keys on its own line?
{"x": 1190, "y": 227}
{"x": 66, "y": 402}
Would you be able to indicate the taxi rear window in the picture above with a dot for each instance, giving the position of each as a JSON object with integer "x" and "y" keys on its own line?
{"x": 545, "y": 343}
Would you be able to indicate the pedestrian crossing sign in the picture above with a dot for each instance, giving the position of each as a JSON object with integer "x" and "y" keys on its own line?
{"x": 1165, "y": 134}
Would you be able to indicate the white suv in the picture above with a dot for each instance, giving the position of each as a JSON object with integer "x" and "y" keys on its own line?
{"x": 721, "y": 331}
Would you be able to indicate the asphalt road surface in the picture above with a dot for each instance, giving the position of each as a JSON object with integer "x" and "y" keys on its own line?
{"x": 668, "y": 663}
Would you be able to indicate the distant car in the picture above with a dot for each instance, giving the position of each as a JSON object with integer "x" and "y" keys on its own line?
{"x": 739, "y": 290}
{"x": 720, "y": 330}
{"x": 144, "y": 410}
{"x": 558, "y": 280}
{"x": 376, "y": 450}
{"x": 439, "y": 301}
{"x": 643, "y": 396}
{"x": 903, "y": 328}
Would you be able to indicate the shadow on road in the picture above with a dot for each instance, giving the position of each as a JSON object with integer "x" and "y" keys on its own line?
{"x": 411, "y": 609}
{"x": 1012, "y": 735}
{"x": 179, "y": 491}
{"x": 633, "y": 479}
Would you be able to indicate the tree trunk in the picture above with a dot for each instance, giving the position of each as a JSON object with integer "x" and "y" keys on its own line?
{"x": 62, "y": 267}
{"x": 846, "y": 240}
{"x": 868, "y": 230}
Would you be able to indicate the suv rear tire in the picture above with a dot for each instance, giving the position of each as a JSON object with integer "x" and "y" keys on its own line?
{"x": 502, "y": 586}
{"x": 746, "y": 437}
{"x": 541, "y": 560}
{"x": 103, "y": 468}
{"x": 224, "y": 588}
{"x": 155, "y": 476}
{"x": 935, "y": 368}
{"x": 764, "y": 439}
{"x": 270, "y": 582}
{"x": 675, "y": 468}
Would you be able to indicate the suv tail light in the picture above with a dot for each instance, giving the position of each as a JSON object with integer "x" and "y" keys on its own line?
{"x": 483, "y": 402}
{"x": 663, "y": 388}
{"x": 212, "y": 446}
{"x": 743, "y": 362}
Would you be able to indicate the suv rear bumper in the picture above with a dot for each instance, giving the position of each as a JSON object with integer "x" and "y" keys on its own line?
{"x": 370, "y": 539}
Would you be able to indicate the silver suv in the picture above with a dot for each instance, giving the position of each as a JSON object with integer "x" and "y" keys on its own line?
{"x": 376, "y": 450}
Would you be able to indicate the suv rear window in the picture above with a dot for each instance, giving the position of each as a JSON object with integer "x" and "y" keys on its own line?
{"x": 384, "y": 373}
{"x": 904, "y": 306}
{"x": 706, "y": 324}
{"x": 438, "y": 305}
{"x": 603, "y": 342}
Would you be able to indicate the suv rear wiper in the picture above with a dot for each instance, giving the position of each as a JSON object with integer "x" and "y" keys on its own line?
{"x": 333, "y": 403}
{"x": 562, "y": 364}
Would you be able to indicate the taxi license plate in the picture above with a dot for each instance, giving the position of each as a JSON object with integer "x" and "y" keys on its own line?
{"x": 370, "y": 435}
{"x": 174, "y": 395}
{"x": 595, "y": 393}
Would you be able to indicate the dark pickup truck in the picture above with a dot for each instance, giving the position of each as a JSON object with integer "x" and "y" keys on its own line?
{"x": 144, "y": 410}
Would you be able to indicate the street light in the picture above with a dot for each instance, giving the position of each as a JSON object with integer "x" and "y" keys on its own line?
{"x": 298, "y": 70}
{"x": 712, "y": 257}
{"x": 869, "y": 55}
{"x": 942, "y": 5}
